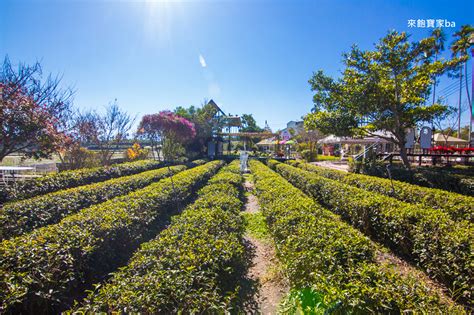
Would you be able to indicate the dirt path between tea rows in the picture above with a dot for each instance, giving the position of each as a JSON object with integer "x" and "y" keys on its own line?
{"x": 270, "y": 288}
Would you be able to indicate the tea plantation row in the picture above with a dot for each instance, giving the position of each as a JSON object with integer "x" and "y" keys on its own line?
{"x": 458, "y": 206}
{"x": 439, "y": 245}
{"x": 57, "y": 245}
{"x": 191, "y": 267}
{"x": 51, "y": 266}
{"x": 26, "y": 215}
{"x": 68, "y": 179}
{"x": 320, "y": 251}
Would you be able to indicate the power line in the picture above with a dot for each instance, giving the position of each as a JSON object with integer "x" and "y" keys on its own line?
{"x": 451, "y": 91}
{"x": 455, "y": 84}
{"x": 450, "y": 86}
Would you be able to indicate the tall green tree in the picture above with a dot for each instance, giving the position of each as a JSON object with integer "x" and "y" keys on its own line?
{"x": 249, "y": 124}
{"x": 460, "y": 47}
{"x": 381, "y": 89}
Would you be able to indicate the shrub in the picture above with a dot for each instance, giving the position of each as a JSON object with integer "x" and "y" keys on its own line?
{"x": 26, "y": 215}
{"x": 309, "y": 155}
{"x": 457, "y": 206}
{"x": 324, "y": 254}
{"x": 136, "y": 153}
{"x": 77, "y": 157}
{"x": 69, "y": 179}
{"x": 198, "y": 162}
{"x": 445, "y": 178}
{"x": 191, "y": 267}
{"x": 442, "y": 247}
{"x": 50, "y": 266}
{"x": 466, "y": 186}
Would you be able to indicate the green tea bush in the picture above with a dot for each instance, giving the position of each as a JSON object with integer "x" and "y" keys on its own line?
{"x": 198, "y": 162}
{"x": 49, "y": 267}
{"x": 320, "y": 252}
{"x": 447, "y": 178}
{"x": 466, "y": 186}
{"x": 442, "y": 247}
{"x": 191, "y": 267}
{"x": 69, "y": 179}
{"x": 26, "y": 215}
{"x": 457, "y": 206}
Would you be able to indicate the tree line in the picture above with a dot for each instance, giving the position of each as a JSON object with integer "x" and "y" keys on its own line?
{"x": 38, "y": 120}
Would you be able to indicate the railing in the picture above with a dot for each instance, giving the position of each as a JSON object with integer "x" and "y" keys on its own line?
{"x": 388, "y": 156}
{"x": 362, "y": 155}
{"x": 12, "y": 174}
{"x": 433, "y": 158}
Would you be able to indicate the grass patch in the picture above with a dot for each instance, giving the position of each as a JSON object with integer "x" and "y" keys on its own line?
{"x": 256, "y": 226}
{"x": 306, "y": 301}
{"x": 328, "y": 158}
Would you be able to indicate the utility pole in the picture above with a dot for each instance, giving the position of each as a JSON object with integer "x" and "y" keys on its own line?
{"x": 471, "y": 117}
{"x": 460, "y": 100}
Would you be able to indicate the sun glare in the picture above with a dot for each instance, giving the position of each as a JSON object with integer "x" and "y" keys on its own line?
{"x": 158, "y": 18}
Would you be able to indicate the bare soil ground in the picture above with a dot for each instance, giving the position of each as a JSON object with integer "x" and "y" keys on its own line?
{"x": 270, "y": 287}
{"x": 251, "y": 206}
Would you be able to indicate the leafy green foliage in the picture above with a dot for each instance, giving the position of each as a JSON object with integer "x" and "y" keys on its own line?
{"x": 26, "y": 215}
{"x": 249, "y": 124}
{"x": 256, "y": 225}
{"x": 446, "y": 178}
{"x": 198, "y": 162}
{"x": 442, "y": 247}
{"x": 321, "y": 252}
{"x": 383, "y": 89}
{"x": 458, "y": 207}
{"x": 69, "y": 179}
{"x": 336, "y": 122}
{"x": 50, "y": 266}
{"x": 306, "y": 301}
{"x": 191, "y": 267}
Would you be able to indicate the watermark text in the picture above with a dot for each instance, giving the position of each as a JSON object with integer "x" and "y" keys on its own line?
{"x": 431, "y": 23}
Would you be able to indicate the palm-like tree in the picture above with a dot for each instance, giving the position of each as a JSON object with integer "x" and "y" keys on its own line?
{"x": 460, "y": 47}
{"x": 439, "y": 39}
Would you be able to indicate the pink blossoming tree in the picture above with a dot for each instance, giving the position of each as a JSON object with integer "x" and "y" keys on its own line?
{"x": 168, "y": 131}
{"x": 33, "y": 112}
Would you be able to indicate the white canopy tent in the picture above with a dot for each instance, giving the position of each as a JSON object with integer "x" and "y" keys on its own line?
{"x": 332, "y": 139}
{"x": 440, "y": 139}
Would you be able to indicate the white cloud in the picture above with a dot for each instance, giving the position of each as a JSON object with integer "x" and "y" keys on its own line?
{"x": 202, "y": 61}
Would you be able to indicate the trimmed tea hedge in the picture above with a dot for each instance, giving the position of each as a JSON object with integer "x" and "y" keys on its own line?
{"x": 198, "y": 162}
{"x": 446, "y": 178}
{"x": 52, "y": 265}
{"x": 191, "y": 267}
{"x": 320, "y": 251}
{"x": 458, "y": 206}
{"x": 442, "y": 247}
{"x": 26, "y": 215}
{"x": 69, "y": 179}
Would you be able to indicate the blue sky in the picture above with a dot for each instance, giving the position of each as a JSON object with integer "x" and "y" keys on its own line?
{"x": 249, "y": 56}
